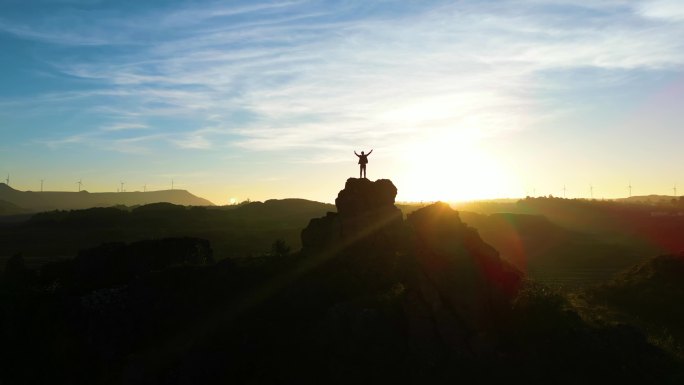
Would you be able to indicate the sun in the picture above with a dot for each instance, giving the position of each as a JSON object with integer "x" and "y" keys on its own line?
{"x": 451, "y": 166}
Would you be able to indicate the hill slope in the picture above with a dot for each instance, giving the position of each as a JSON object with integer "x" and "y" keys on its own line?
{"x": 9, "y": 208}
{"x": 650, "y": 199}
{"x": 651, "y": 293}
{"x": 62, "y": 200}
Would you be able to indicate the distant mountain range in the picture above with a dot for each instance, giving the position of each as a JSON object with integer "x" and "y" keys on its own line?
{"x": 18, "y": 202}
{"x": 648, "y": 199}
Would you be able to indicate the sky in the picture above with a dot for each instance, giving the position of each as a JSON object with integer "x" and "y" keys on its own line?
{"x": 236, "y": 100}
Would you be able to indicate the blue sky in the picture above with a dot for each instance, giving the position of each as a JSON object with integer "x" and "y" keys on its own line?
{"x": 459, "y": 99}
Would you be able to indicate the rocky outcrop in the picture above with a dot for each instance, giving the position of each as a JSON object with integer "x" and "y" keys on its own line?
{"x": 467, "y": 273}
{"x": 321, "y": 233}
{"x": 361, "y": 196}
{"x": 366, "y": 217}
{"x": 447, "y": 269}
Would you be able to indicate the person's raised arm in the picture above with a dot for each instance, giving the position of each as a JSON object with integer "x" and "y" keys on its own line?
{"x": 369, "y": 152}
{"x": 356, "y": 154}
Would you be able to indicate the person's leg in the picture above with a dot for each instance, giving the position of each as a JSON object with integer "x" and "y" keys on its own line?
{"x": 360, "y": 171}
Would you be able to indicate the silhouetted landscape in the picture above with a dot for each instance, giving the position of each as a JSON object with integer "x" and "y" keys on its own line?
{"x": 291, "y": 291}
{"x": 341, "y": 192}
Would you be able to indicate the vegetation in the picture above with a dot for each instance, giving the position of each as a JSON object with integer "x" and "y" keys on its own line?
{"x": 234, "y": 231}
{"x": 648, "y": 295}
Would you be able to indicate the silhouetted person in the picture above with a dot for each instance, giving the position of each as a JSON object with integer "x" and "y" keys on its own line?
{"x": 363, "y": 161}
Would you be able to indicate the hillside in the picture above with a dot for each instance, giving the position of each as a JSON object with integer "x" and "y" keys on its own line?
{"x": 234, "y": 231}
{"x": 63, "y": 200}
{"x": 551, "y": 253}
{"x": 572, "y": 243}
{"x": 650, "y": 294}
{"x": 8, "y": 208}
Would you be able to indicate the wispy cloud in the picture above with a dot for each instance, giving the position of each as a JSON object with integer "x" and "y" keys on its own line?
{"x": 99, "y": 139}
{"x": 133, "y": 145}
{"x": 193, "y": 141}
{"x": 123, "y": 126}
{"x": 662, "y": 9}
{"x": 68, "y": 140}
{"x": 301, "y": 75}
{"x": 53, "y": 35}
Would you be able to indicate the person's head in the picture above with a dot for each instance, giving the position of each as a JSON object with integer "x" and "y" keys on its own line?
{"x": 361, "y": 152}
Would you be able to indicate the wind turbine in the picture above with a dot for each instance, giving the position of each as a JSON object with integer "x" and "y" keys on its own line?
{"x": 122, "y": 186}
{"x": 145, "y": 188}
{"x": 675, "y": 190}
{"x": 564, "y": 190}
{"x": 630, "y": 189}
{"x": 591, "y": 191}
{"x": 79, "y": 185}
{"x": 171, "y": 184}
{"x": 7, "y": 180}
{"x": 41, "y": 185}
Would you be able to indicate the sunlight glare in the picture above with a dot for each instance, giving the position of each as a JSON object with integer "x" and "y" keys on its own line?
{"x": 451, "y": 166}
